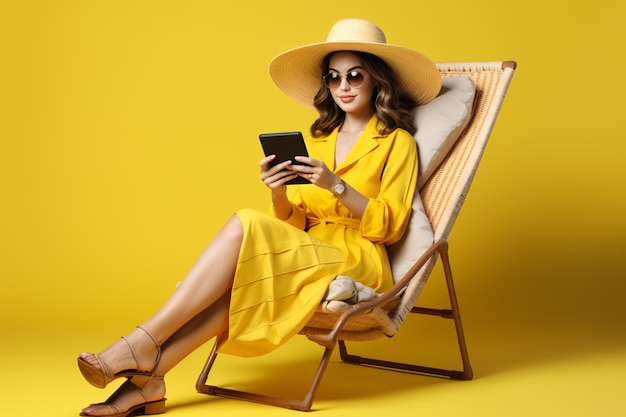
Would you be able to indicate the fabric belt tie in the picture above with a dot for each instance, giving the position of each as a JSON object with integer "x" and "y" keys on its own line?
{"x": 352, "y": 223}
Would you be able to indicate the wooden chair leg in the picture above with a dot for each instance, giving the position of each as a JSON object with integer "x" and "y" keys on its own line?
{"x": 300, "y": 405}
{"x": 452, "y": 313}
{"x": 329, "y": 345}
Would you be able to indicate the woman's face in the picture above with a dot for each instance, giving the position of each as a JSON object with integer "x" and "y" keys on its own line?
{"x": 345, "y": 68}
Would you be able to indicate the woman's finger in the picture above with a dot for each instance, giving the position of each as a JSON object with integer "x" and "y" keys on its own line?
{"x": 267, "y": 170}
{"x": 265, "y": 162}
{"x": 309, "y": 161}
{"x": 277, "y": 179}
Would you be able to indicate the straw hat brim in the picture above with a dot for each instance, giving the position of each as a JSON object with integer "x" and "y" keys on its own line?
{"x": 297, "y": 72}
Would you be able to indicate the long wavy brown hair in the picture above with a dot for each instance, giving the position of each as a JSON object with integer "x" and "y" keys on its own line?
{"x": 392, "y": 105}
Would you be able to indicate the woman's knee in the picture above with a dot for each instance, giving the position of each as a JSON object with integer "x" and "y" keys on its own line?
{"x": 235, "y": 227}
{"x": 232, "y": 230}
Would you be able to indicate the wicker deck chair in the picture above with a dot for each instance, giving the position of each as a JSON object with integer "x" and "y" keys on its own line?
{"x": 442, "y": 197}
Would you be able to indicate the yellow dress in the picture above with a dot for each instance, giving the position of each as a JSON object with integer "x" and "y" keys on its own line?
{"x": 285, "y": 267}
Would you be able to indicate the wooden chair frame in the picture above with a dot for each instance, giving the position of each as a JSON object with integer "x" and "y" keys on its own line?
{"x": 443, "y": 196}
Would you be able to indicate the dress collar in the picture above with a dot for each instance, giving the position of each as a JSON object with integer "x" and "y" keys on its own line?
{"x": 364, "y": 145}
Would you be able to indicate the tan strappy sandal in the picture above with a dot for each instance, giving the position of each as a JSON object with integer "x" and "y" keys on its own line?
{"x": 101, "y": 377}
{"x": 147, "y": 407}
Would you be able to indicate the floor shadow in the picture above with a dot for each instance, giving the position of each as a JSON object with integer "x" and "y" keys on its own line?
{"x": 291, "y": 376}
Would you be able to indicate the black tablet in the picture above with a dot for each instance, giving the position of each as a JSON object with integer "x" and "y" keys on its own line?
{"x": 286, "y": 146}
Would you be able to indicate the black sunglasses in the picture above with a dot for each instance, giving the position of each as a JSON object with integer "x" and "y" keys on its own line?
{"x": 333, "y": 79}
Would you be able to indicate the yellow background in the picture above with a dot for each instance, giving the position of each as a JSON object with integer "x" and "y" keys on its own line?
{"x": 128, "y": 135}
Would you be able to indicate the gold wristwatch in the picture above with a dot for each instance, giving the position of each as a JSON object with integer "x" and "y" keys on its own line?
{"x": 339, "y": 188}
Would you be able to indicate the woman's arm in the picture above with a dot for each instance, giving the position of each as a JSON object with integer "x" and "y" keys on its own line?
{"x": 282, "y": 205}
{"x": 351, "y": 198}
{"x": 318, "y": 173}
{"x": 275, "y": 178}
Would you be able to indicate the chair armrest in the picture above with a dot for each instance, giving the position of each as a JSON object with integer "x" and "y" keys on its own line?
{"x": 328, "y": 340}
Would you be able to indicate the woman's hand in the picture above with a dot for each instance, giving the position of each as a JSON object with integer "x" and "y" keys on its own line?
{"x": 318, "y": 173}
{"x": 315, "y": 171}
{"x": 275, "y": 177}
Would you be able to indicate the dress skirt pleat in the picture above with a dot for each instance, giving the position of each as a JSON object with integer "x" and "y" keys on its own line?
{"x": 281, "y": 277}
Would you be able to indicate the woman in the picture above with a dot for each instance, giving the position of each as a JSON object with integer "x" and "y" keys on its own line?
{"x": 257, "y": 292}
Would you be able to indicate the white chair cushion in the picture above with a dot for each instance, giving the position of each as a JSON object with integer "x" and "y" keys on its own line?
{"x": 417, "y": 238}
{"x": 439, "y": 124}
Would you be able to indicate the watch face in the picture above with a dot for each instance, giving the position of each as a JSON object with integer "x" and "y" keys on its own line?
{"x": 339, "y": 188}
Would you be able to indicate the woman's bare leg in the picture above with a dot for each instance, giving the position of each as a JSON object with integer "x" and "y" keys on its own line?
{"x": 207, "y": 282}
{"x": 210, "y": 278}
{"x": 210, "y": 323}
{"x": 206, "y": 325}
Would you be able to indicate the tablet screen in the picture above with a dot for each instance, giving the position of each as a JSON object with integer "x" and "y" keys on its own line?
{"x": 286, "y": 146}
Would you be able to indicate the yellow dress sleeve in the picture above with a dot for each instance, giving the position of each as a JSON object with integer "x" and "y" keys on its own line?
{"x": 386, "y": 217}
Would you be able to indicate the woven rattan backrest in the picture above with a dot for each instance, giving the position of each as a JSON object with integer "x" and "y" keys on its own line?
{"x": 444, "y": 193}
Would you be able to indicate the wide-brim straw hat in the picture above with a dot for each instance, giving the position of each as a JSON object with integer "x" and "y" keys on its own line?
{"x": 297, "y": 72}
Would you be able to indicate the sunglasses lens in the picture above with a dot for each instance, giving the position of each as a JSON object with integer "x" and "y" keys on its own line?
{"x": 355, "y": 79}
{"x": 332, "y": 80}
